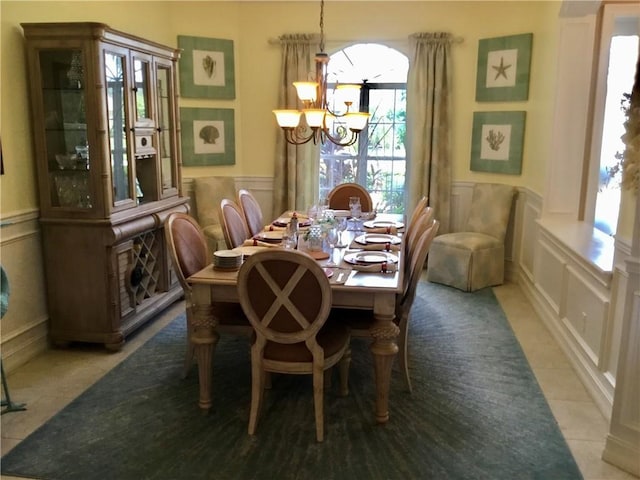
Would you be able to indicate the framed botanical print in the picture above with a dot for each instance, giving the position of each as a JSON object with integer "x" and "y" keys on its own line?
{"x": 206, "y": 68}
{"x": 497, "y": 142}
{"x": 208, "y": 136}
{"x": 503, "y": 68}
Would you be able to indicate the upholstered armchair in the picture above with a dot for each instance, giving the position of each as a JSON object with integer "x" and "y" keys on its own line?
{"x": 474, "y": 258}
{"x": 209, "y": 192}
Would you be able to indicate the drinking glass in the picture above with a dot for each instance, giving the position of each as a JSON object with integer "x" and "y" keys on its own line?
{"x": 356, "y": 210}
{"x": 332, "y": 239}
{"x": 341, "y": 226}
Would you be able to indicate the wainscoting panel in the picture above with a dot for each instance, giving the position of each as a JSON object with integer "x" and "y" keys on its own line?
{"x": 550, "y": 271}
{"x": 25, "y": 325}
{"x": 587, "y": 311}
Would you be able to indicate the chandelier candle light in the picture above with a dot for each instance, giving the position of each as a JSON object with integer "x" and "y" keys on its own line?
{"x": 318, "y": 116}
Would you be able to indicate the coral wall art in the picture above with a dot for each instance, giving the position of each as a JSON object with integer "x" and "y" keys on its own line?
{"x": 497, "y": 142}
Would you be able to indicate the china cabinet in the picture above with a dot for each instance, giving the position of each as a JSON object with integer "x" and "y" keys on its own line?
{"x": 106, "y": 140}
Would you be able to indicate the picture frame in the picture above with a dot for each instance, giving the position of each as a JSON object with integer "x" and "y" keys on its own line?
{"x": 208, "y": 136}
{"x": 497, "y": 142}
{"x": 206, "y": 68}
{"x": 503, "y": 68}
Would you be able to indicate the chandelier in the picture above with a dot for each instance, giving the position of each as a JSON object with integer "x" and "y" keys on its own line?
{"x": 320, "y": 119}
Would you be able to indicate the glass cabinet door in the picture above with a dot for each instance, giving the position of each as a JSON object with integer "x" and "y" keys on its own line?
{"x": 164, "y": 94}
{"x": 141, "y": 73}
{"x": 115, "y": 71}
{"x": 65, "y": 126}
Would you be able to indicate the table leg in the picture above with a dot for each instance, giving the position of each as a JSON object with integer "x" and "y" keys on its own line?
{"x": 205, "y": 339}
{"x": 384, "y": 348}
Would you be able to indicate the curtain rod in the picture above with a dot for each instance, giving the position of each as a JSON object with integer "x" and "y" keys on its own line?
{"x": 454, "y": 40}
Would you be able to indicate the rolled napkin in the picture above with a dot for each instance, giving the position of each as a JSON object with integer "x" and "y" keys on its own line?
{"x": 388, "y": 247}
{"x": 387, "y": 230}
{"x": 377, "y": 268}
{"x": 274, "y": 228}
{"x": 252, "y": 242}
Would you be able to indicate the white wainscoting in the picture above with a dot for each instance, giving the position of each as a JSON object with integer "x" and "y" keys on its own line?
{"x": 25, "y": 325}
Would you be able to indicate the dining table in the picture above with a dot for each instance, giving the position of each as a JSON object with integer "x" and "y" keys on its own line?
{"x": 352, "y": 288}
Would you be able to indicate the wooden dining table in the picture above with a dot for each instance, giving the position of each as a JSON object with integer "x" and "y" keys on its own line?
{"x": 351, "y": 289}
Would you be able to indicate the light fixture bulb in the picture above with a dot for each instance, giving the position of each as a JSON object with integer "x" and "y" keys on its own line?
{"x": 307, "y": 91}
{"x": 287, "y": 118}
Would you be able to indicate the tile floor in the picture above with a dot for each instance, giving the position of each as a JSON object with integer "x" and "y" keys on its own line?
{"x": 50, "y": 381}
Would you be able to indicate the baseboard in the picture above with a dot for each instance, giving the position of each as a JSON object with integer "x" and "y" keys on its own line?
{"x": 589, "y": 378}
{"x": 623, "y": 455}
{"x": 25, "y": 344}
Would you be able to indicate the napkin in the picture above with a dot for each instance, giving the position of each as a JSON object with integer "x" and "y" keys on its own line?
{"x": 274, "y": 228}
{"x": 376, "y": 246}
{"x": 388, "y": 230}
{"x": 250, "y": 242}
{"x": 377, "y": 268}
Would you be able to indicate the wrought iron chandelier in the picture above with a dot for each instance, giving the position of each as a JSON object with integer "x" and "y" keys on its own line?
{"x": 320, "y": 121}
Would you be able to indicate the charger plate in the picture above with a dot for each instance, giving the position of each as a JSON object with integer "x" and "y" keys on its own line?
{"x": 366, "y": 258}
{"x": 377, "y": 238}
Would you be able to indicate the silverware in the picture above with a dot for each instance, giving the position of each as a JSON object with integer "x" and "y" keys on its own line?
{"x": 340, "y": 275}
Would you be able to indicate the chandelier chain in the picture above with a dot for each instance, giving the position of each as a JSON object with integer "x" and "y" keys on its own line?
{"x": 322, "y": 25}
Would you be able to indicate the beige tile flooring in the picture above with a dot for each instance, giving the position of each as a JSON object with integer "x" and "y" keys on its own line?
{"x": 50, "y": 381}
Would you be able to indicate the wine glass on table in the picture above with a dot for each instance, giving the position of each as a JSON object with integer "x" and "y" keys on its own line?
{"x": 356, "y": 211}
{"x": 332, "y": 239}
{"x": 341, "y": 226}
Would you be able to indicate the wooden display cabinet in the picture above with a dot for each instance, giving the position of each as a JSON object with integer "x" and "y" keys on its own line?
{"x": 107, "y": 144}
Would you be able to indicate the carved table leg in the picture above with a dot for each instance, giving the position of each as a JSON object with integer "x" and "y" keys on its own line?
{"x": 384, "y": 348}
{"x": 205, "y": 339}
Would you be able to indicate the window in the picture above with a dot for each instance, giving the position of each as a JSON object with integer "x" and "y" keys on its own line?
{"x": 617, "y": 61}
{"x": 378, "y": 160}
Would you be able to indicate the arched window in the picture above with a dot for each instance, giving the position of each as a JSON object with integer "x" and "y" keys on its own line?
{"x": 378, "y": 160}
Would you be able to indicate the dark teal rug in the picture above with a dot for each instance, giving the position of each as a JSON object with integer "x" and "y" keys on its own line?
{"x": 477, "y": 412}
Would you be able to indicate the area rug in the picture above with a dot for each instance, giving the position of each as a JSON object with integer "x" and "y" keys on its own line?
{"x": 476, "y": 412}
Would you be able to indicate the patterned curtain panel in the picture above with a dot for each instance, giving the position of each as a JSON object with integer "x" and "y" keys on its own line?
{"x": 428, "y": 112}
{"x": 296, "y": 167}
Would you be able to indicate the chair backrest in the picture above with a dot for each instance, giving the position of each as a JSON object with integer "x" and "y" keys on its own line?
{"x": 490, "y": 209}
{"x": 234, "y": 226}
{"x": 416, "y": 265}
{"x": 187, "y": 246}
{"x": 208, "y": 192}
{"x": 251, "y": 210}
{"x": 416, "y": 226}
{"x": 338, "y": 197}
{"x": 419, "y": 208}
{"x": 286, "y": 296}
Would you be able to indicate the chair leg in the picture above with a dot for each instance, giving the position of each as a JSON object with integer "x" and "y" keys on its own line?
{"x": 7, "y": 402}
{"x": 343, "y": 369}
{"x": 403, "y": 352}
{"x": 257, "y": 391}
{"x": 318, "y": 400}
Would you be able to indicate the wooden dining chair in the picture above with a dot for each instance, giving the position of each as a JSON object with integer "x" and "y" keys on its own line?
{"x": 338, "y": 197}
{"x": 189, "y": 254}
{"x": 251, "y": 211}
{"x": 234, "y": 226}
{"x": 287, "y": 298}
{"x": 360, "y": 321}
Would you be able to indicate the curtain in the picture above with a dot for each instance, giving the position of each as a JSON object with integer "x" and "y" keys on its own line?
{"x": 428, "y": 112}
{"x": 296, "y": 166}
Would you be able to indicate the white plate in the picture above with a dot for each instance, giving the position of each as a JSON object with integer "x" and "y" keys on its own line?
{"x": 369, "y": 257}
{"x": 271, "y": 236}
{"x": 284, "y": 221}
{"x": 377, "y": 238}
{"x": 226, "y": 254}
{"x": 383, "y": 224}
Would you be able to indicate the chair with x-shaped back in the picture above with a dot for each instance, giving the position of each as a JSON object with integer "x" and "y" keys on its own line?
{"x": 286, "y": 296}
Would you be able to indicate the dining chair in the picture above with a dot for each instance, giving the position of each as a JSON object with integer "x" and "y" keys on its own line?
{"x": 207, "y": 194}
{"x": 474, "y": 258}
{"x": 286, "y": 296}
{"x": 234, "y": 226}
{"x": 251, "y": 211}
{"x": 338, "y": 197}
{"x": 189, "y": 254}
{"x": 360, "y": 321}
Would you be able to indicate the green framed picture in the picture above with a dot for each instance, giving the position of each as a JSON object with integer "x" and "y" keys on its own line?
{"x": 497, "y": 142}
{"x": 206, "y": 68}
{"x": 208, "y": 136}
{"x": 503, "y": 68}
